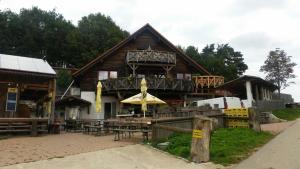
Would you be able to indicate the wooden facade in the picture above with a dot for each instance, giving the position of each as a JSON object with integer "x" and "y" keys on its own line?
{"x": 26, "y": 94}
{"x": 146, "y": 53}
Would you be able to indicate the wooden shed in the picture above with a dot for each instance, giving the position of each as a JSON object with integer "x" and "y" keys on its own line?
{"x": 27, "y": 87}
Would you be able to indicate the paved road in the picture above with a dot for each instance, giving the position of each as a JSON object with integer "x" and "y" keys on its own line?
{"x": 283, "y": 152}
{"x": 129, "y": 157}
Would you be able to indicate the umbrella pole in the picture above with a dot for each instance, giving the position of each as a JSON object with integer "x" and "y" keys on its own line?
{"x": 144, "y": 114}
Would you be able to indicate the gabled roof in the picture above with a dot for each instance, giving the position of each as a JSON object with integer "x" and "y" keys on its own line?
{"x": 25, "y": 64}
{"x": 240, "y": 82}
{"x": 133, "y": 36}
{"x": 72, "y": 101}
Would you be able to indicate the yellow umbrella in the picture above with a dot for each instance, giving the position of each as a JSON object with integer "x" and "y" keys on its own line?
{"x": 144, "y": 95}
{"x": 136, "y": 99}
{"x": 98, "y": 97}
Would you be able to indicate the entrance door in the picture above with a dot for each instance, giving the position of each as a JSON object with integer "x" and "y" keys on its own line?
{"x": 107, "y": 110}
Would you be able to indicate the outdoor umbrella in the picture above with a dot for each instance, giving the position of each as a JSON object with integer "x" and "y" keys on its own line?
{"x": 98, "y": 97}
{"x": 144, "y": 95}
{"x": 137, "y": 99}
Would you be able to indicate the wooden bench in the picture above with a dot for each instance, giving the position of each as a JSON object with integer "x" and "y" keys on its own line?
{"x": 23, "y": 125}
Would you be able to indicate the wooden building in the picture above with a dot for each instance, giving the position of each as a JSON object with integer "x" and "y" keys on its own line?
{"x": 146, "y": 53}
{"x": 253, "y": 91}
{"x": 27, "y": 87}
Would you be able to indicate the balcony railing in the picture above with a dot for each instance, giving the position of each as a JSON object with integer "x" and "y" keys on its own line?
{"x": 126, "y": 83}
{"x": 208, "y": 81}
{"x": 151, "y": 56}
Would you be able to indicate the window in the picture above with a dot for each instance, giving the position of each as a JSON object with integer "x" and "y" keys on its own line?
{"x": 141, "y": 76}
{"x": 188, "y": 76}
{"x": 103, "y": 75}
{"x": 113, "y": 74}
{"x": 11, "y": 101}
{"x": 179, "y": 76}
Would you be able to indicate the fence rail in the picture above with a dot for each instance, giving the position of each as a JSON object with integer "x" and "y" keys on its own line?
{"x": 127, "y": 83}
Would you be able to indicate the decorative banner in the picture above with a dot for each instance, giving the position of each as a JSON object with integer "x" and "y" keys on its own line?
{"x": 197, "y": 134}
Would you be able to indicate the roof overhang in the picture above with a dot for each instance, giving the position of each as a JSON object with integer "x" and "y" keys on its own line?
{"x": 239, "y": 83}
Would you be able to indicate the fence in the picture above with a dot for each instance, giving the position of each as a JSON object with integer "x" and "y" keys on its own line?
{"x": 200, "y": 127}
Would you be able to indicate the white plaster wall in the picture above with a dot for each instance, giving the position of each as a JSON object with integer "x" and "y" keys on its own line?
{"x": 91, "y": 97}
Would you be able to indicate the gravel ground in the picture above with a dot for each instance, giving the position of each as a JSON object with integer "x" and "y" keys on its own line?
{"x": 26, "y": 149}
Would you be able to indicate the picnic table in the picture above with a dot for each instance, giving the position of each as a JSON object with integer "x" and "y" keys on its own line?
{"x": 130, "y": 127}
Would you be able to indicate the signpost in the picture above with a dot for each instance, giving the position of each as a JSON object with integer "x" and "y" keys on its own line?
{"x": 202, "y": 127}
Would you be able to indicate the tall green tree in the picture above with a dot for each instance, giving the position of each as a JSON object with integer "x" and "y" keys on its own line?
{"x": 98, "y": 34}
{"x": 222, "y": 60}
{"x": 279, "y": 68}
{"x": 47, "y": 34}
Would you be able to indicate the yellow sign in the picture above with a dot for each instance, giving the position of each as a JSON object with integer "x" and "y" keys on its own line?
{"x": 13, "y": 90}
{"x": 197, "y": 133}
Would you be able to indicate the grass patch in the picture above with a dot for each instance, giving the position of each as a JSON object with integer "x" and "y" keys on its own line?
{"x": 287, "y": 113}
{"x": 231, "y": 145}
{"x": 228, "y": 146}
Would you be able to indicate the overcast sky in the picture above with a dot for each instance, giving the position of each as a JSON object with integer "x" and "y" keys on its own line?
{"x": 253, "y": 27}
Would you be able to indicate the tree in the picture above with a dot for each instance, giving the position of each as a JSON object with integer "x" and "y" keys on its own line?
{"x": 64, "y": 78}
{"x": 35, "y": 33}
{"x": 98, "y": 34}
{"x": 279, "y": 68}
{"x": 223, "y": 60}
{"x": 38, "y": 33}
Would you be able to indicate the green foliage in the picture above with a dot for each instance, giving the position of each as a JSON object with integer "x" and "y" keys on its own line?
{"x": 279, "y": 68}
{"x": 64, "y": 79}
{"x": 35, "y": 33}
{"x": 287, "y": 113}
{"x": 99, "y": 33}
{"x": 228, "y": 145}
{"x": 180, "y": 145}
{"x": 222, "y": 60}
{"x": 38, "y": 33}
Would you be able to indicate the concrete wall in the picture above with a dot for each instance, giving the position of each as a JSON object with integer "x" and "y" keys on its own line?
{"x": 91, "y": 97}
{"x": 269, "y": 105}
{"x": 186, "y": 123}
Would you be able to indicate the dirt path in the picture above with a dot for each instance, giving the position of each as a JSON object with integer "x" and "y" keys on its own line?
{"x": 276, "y": 128}
{"x": 282, "y": 152}
{"x": 27, "y": 149}
{"x": 129, "y": 157}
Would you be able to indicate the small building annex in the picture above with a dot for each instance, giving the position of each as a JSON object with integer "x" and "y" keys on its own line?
{"x": 27, "y": 87}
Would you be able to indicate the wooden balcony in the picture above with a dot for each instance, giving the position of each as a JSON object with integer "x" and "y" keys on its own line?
{"x": 208, "y": 81}
{"x": 126, "y": 83}
{"x": 150, "y": 57}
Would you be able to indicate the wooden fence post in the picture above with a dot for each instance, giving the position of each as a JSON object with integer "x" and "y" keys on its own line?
{"x": 202, "y": 127}
{"x": 34, "y": 127}
{"x": 254, "y": 119}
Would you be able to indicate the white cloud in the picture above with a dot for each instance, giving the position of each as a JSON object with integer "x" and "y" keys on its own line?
{"x": 252, "y": 27}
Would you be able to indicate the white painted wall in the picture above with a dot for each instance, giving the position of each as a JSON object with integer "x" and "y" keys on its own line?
{"x": 249, "y": 93}
{"x": 91, "y": 97}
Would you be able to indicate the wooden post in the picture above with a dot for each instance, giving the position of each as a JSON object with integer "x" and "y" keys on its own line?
{"x": 202, "y": 127}
{"x": 254, "y": 119}
{"x": 34, "y": 128}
